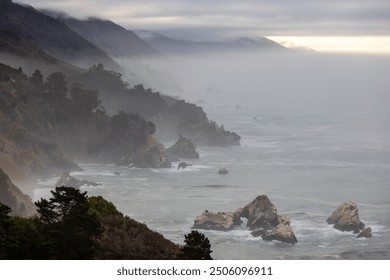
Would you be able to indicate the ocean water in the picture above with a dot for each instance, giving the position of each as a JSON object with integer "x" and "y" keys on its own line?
{"x": 306, "y": 164}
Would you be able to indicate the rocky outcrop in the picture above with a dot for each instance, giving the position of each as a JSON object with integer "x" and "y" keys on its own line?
{"x": 183, "y": 165}
{"x": 217, "y": 221}
{"x": 183, "y": 148}
{"x": 151, "y": 155}
{"x": 366, "y": 233}
{"x": 10, "y": 195}
{"x": 223, "y": 171}
{"x": 281, "y": 232}
{"x": 262, "y": 219}
{"x": 261, "y": 213}
{"x": 68, "y": 181}
{"x": 346, "y": 218}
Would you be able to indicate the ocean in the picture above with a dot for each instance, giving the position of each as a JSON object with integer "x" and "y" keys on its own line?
{"x": 307, "y": 164}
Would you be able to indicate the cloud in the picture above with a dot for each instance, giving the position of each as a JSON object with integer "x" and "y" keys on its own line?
{"x": 267, "y": 17}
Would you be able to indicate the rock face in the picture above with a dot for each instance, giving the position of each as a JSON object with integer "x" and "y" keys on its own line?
{"x": 223, "y": 171}
{"x": 151, "y": 155}
{"x": 346, "y": 218}
{"x": 10, "y": 195}
{"x": 68, "y": 181}
{"x": 183, "y": 148}
{"x": 281, "y": 232}
{"x": 262, "y": 217}
{"x": 366, "y": 233}
{"x": 261, "y": 213}
{"x": 217, "y": 221}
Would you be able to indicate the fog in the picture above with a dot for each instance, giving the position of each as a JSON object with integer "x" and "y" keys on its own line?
{"x": 281, "y": 82}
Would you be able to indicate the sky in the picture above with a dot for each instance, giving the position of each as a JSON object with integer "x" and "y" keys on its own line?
{"x": 322, "y": 25}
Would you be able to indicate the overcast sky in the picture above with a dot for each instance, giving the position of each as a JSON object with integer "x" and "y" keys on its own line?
{"x": 231, "y": 18}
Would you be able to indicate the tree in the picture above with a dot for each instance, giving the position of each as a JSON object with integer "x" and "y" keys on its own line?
{"x": 36, "y": 79}
{"x": 68, "y": 223}
{"x": 4, "y": 229}
{"x": 197, "y": 247}
{"x": 85, "y": 101}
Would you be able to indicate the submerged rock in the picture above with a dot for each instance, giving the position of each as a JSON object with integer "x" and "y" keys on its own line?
{"x": 68, "y": 181}
{"x": 346, "y": 218}
{"x": 223, "y": 171}
{"x": 10, "y": 195}
{"x": 183, "y": 165}
{"x": 261, "y": 213}
{"x": 183, "y": 148}
{"x": 216, "y": 221}
{"x": 281, "y": 232}
{"x": 117, "y": 173}
{"x": 366, "y": 233}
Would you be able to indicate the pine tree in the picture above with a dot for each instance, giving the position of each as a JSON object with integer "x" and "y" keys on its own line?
{"x": 197, "y": 247}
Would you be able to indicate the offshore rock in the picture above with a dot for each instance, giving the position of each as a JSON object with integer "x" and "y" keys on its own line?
{"x": 216, "y": 221}
{"x": 281, "y": 232}
{"x": 346, "y": 218}
{"x": 366, "y": 233}
{"x": 10, "y": 195}
{"x": 261, "y": 213}
{"x": 183, "y": 165}
{"x": 183, "y": 148}
{"x": 151, "y": 155}
{"x": 223, "y": 171}
{"x": 68, "y": 181}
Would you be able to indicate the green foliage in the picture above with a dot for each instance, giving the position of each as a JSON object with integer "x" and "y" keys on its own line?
{"x": 100, "y": 207}
{"x": 197, "y": 247}
{"x": 68, "y": 223}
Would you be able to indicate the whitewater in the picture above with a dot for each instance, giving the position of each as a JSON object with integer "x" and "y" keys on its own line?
{"x": 307, "y": 164}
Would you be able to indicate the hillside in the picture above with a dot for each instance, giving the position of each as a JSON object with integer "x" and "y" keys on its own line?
{"x": 17, "y": 51}
{"x": 53, "y": 36}
{"x": 175, "y": 47}
{"x": 111, "y": 38}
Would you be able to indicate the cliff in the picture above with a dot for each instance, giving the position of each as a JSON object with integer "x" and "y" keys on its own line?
{"x": 10, "y": 195}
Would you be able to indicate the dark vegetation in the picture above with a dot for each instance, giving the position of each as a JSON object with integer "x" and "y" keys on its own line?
{"x": 71, "y": 225}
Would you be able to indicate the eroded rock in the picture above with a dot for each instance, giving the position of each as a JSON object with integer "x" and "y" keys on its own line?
{"x": 346, "y": 217}
{"x": 183, "y": 148}
{"x": 281, "y": 232}
{"x": 261, "y": 213}
{"x": 216, "y": 221}
{"x": 366, "y": 233}
{"x": 68, "y": 181}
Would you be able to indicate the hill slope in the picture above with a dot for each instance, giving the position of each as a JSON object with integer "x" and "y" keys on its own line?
{"x": 53, "y": 36}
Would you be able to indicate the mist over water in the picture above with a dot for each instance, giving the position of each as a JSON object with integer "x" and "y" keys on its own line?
{"x": 283, "y": 81}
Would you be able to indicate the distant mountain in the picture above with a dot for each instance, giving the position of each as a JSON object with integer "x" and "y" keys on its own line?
{"x": 53, "y": 36}
{"x": 172, "y": 47}
{"x": 110, "y": 37}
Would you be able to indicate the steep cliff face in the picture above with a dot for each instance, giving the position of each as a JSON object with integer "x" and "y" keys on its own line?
{"x": 10, "y": 195}
{"x": 27, "y": 143}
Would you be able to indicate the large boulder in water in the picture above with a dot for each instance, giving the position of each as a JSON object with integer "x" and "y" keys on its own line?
{"x": 282, "y": 232}
{"x": 183, "y": 148}
{"x": 10, "y": 195}
{"x": 151, "y": 155}
{"x": 346, "y": 218}
{"x": 261, "y": 213}
{"x": 68, "y": 181}
{"x": 366, "y": 233}
{"x": 216, "y": 221}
